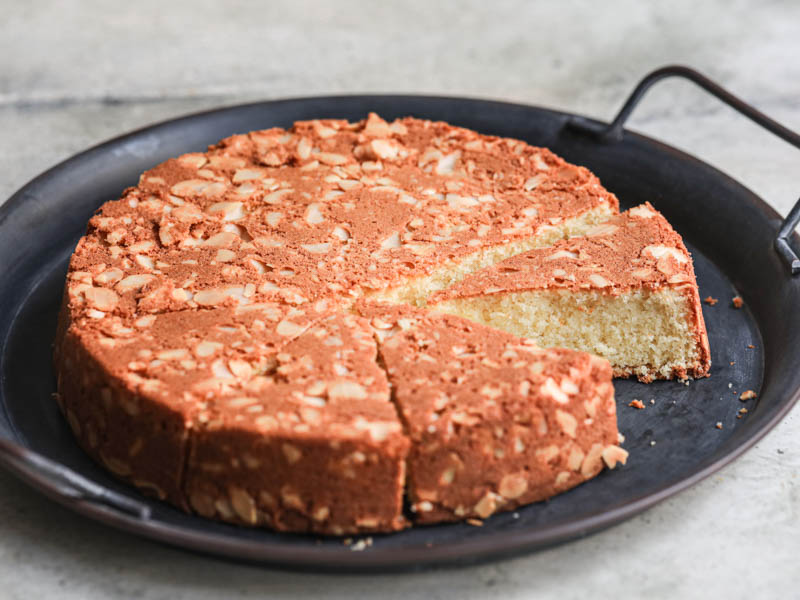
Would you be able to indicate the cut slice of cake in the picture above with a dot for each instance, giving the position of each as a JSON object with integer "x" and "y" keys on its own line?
{"x": 312, "y": 443}
{"x": 625, "y": 291}
{"x": 494, "y": 421}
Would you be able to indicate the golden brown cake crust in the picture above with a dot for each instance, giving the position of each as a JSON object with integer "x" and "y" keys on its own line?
{"x": 206, "y": 352}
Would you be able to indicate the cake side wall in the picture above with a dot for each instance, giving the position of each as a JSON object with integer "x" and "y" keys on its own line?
{"x": 138, "y": 439}
{"x": 297, "y": 483}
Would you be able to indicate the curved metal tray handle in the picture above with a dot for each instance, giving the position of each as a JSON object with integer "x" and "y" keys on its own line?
{"x": 33, "y": 467}
{"x": 614, "y": 131}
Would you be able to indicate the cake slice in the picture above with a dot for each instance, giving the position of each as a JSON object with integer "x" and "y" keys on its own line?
{"x": 494, "y": 421}
{"x": 126, "y": 384}
{"x": 312, "y": 443}
{"x": 625, "y": 291}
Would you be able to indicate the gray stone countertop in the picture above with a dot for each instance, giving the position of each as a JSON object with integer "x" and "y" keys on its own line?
{"x": 75, "y": 73}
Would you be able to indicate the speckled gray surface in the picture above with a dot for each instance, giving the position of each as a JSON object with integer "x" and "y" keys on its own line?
{"x": 75, "y": 73}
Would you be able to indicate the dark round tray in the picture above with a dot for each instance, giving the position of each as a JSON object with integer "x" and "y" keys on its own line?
{"x": 729, "y": 230}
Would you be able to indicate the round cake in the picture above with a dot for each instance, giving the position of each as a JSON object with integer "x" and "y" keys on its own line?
{"x": 245, "y": 334}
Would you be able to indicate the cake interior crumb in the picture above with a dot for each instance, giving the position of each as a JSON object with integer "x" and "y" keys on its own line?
{"x": 639, "y": 333}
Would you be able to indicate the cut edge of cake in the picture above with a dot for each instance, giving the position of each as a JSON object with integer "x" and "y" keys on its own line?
{"x": 626, "y": 291}
{"x": 417, "y": 290}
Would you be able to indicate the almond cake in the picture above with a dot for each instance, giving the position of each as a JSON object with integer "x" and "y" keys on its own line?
{"x": 244, "y": 334}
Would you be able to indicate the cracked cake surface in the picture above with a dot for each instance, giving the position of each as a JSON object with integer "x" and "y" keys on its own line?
{"x": 222, "y": 346}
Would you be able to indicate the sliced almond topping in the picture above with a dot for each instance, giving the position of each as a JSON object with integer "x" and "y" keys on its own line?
{"x": 376, "y": 127}
{"x": 288, "y": 329}
{"x": 347, "y": 389}
{"x": 602, "y": 229}
{"x": 145, "y": 262}
{"x": 210, "y": 297}
{"x": 614, "y": 454}
{"x": 195, "y": 160}
{"x": 243, "y": 505}
{"x": 323, "y": 131}
{"x": 176, "y": 354}
{"x": 303, "y": 149}
{"x": 224, "y": 255}
{"x": 568, "y": 423}
{"x": 317, "y": 248}
{"x": 101, "y": 298}
{"x": 513, "y": 485}
{"x": 384, "y": 149}
{"x": 658, "y": 251}
{"x": 599, "y": 281}
{"x": 292, "y": 453}
{"x": 532, "y": 182}
{"x": 329, "y": 158}
{"x": 144, "y": 322}
{"x": 230, "y": 211}
{"x": 446, "y": 165}
{"x": 553, "y": 390}
{"x": 223, "y": 239}
{"x": 575, "y": 459}
{"x": 562, "y": 254}
{"x": 277, "y": 196}
{"x": 642, "y": 212}
{"x": 206, "y": 348}
{"x": 313, "y": 214}
{"x": 248, "y": 175}
{"x": 593, "y": 462}
{"x": 240, "y": 368}
{"x": 198, "y": 187}
{"x": 188, "y": 213}
{"x": 134, "y": 282}
{"x": 486, "y": 505}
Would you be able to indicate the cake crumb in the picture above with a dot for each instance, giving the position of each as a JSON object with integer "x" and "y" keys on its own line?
{"x": 652, "y": 400}
{"x": 475, "y": 522}
{"x": 742, "y": 412}
{"x": 652, "y": 442}
{"x": 737, "y": 302}
{"x": 347, "y": 541}
{"x": 750, "y": 346}
{"x": 637, "y": 404}
{"x": 719, "y": 425}
{"x": 747, "y": 395}
{"x": 733, "y": 362}
{"x": 730, "y": 385}
{"x": 515, "y": 515}
{"x": 361, "y": 544}
{"x": 710, "y": 301}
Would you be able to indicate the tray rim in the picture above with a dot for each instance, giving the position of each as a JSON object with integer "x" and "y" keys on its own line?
{"x": 329, "y": 559}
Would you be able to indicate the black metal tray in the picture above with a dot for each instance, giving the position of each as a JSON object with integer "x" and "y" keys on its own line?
{"x": 673, "y": 443}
